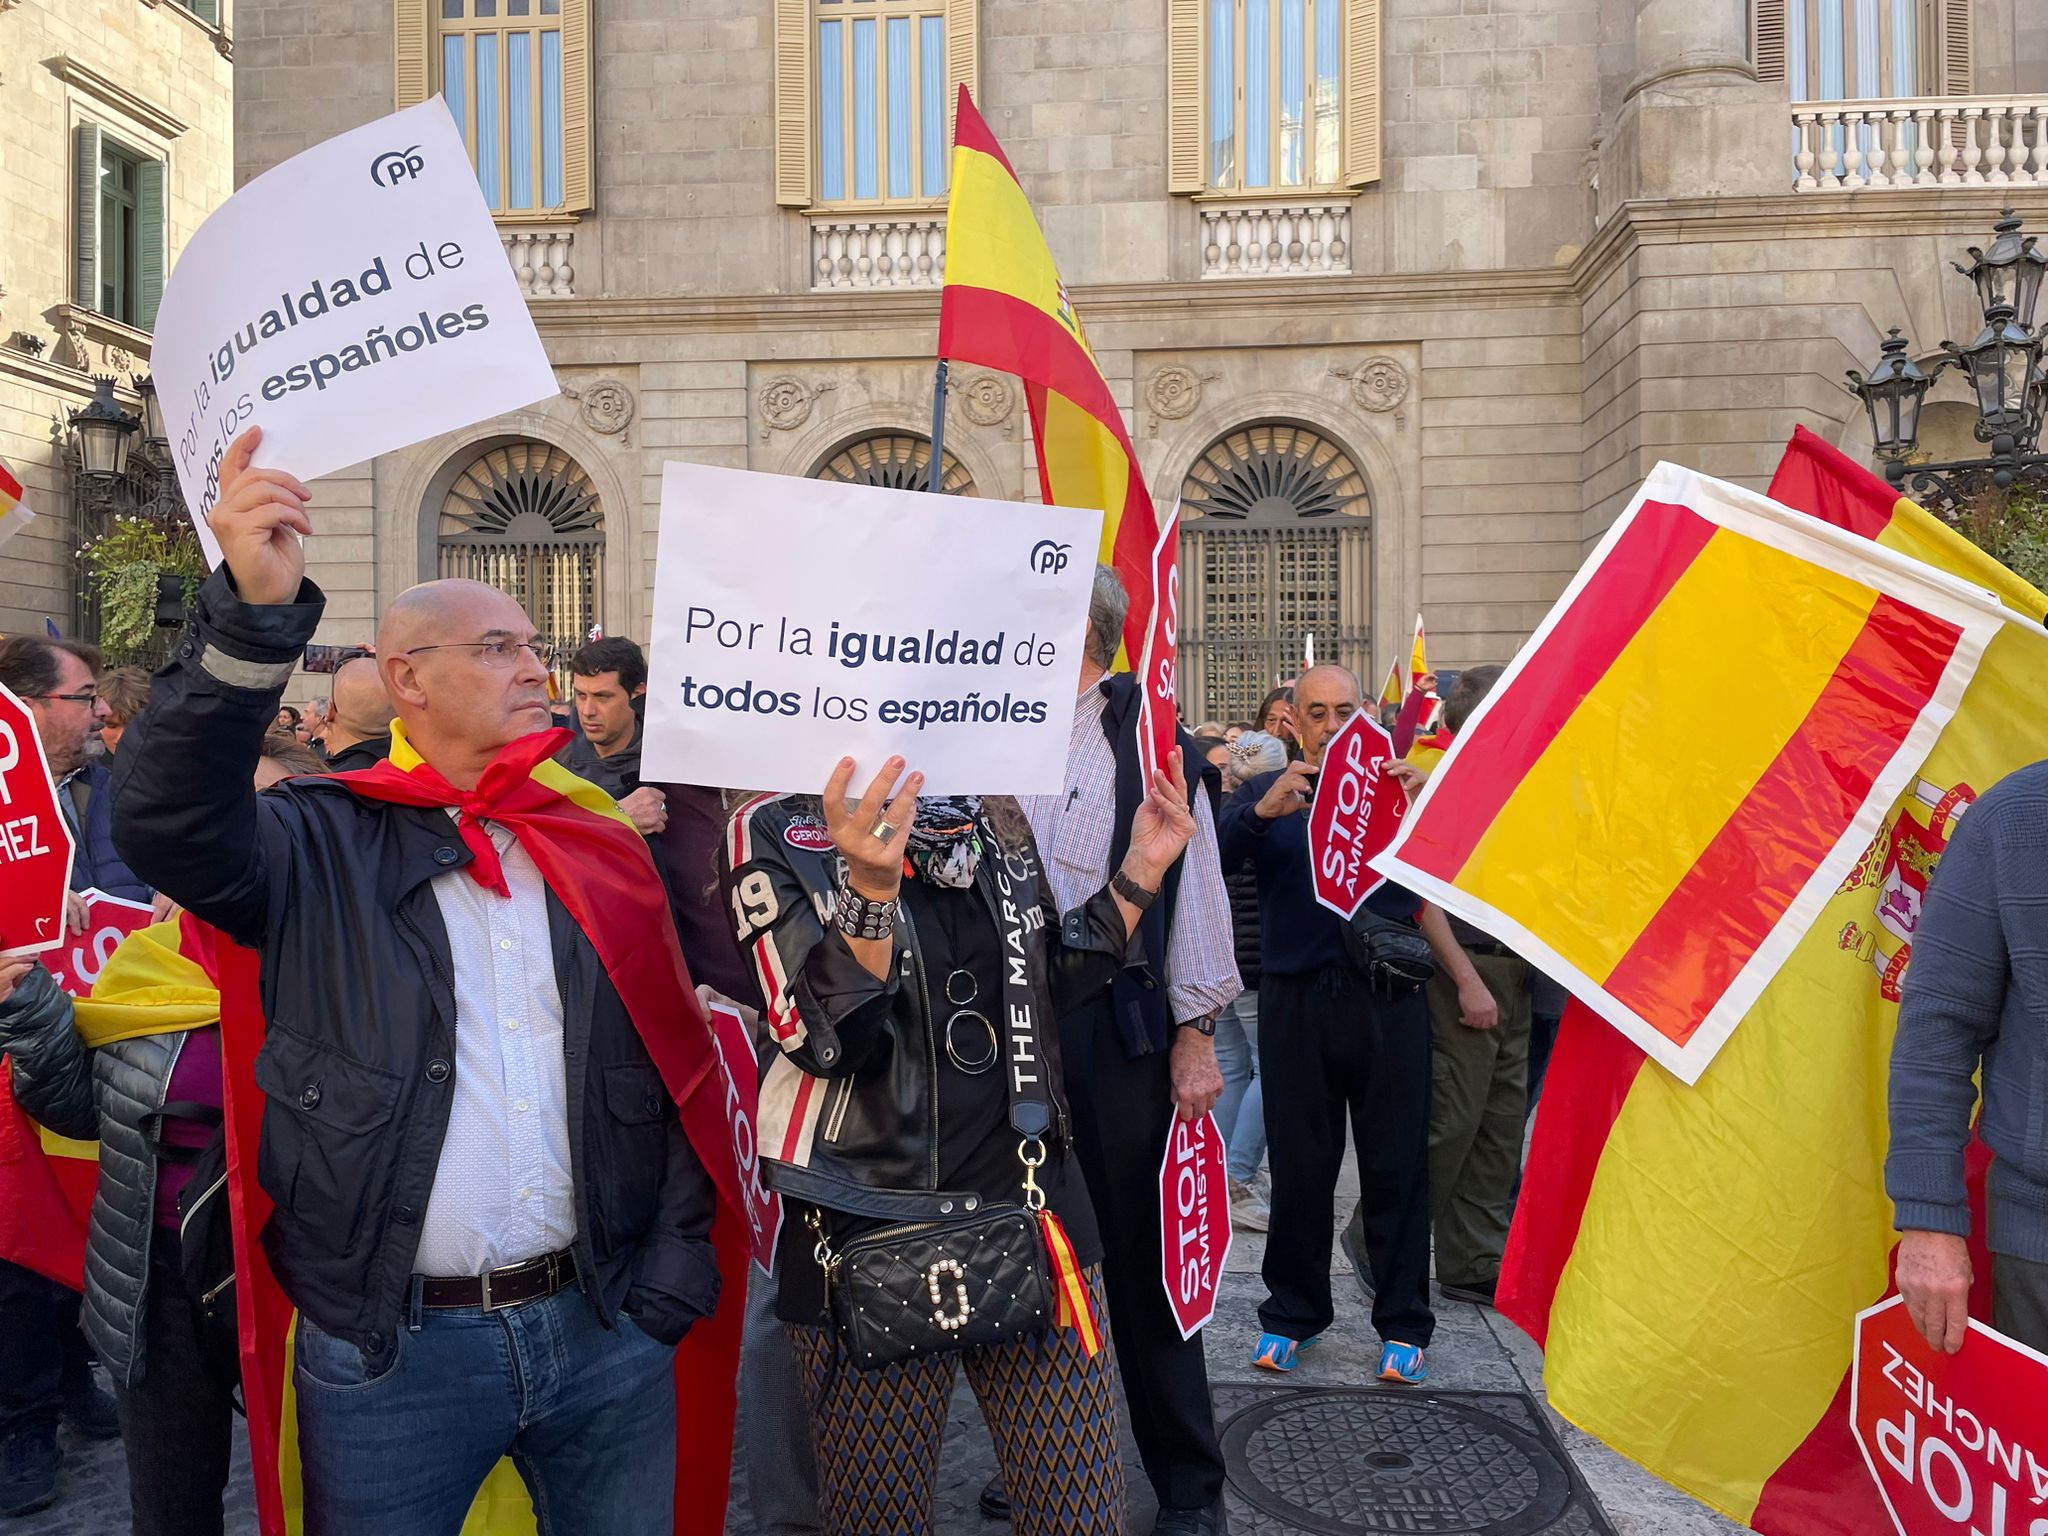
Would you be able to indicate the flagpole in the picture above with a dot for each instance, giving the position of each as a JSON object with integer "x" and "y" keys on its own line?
{"x": 937, "y": 471}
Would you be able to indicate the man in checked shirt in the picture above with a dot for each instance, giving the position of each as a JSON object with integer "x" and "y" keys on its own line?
{"x": 1143, "y": 1053}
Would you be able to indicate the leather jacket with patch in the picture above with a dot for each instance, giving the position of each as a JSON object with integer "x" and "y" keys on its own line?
{"x": 847, "y": 1102}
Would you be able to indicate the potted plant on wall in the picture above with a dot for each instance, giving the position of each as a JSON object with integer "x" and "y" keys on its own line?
{"x": 137, "y": 566}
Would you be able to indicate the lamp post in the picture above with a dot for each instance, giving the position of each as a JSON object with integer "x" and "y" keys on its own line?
{"x": 153, "y": 433}
{"x": 102, "y": 430}
{"x": 2004, "y": 366}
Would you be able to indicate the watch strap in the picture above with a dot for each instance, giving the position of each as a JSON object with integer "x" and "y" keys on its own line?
{"x": 1131, "y": 891}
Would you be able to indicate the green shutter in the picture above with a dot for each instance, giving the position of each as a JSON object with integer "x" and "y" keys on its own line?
{"x": 207, "y": 11}
{"x": 85, "y": 227}
{"x": 149, "y": 241}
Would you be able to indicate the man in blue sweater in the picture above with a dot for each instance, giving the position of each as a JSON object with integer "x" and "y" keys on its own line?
{"x": 1331, "y": 1045}
{"x": 1977, "y": 999}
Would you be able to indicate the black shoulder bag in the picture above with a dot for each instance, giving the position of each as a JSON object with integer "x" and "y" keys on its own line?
{"x": 1394, "y": 955}
{"x": 926, "y": 1287}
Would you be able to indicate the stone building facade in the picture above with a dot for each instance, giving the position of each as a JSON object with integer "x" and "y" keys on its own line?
{"x": 1403, "y": 297}
{"x": 116, "y": 140}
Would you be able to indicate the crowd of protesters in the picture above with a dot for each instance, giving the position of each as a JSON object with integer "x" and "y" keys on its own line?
{"x": 494, "y": 1220}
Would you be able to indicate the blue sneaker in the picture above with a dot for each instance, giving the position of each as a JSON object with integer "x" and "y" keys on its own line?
{"x": 1402, "y": 1363}
{"x": 1277, "y": 1352}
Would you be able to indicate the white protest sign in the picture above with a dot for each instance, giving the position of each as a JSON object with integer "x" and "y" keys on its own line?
{"x": 351, "y": 301}
{"x": 797, "y": 622}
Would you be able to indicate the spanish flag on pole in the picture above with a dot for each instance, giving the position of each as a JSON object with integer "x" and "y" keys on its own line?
{"x": 1004, "y": 307}
{"x": 14, "y": 512}
{"x": 1418, "y": 655}
{"x": 1692, "y": 1259}
{"x": 1394, "y": 691}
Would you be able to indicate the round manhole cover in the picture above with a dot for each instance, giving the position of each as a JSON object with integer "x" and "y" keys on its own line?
{"x": 1371, "y": 1464}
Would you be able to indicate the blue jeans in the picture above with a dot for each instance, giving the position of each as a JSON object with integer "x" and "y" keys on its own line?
{"x": 1241, "y": 1112}
{"x": 399, "y": 1447}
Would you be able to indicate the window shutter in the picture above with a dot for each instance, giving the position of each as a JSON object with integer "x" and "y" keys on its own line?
{"x": 1767, "y": 38}
{"x": 149, "y": 242}
{"x": 1361, "y": 92}
{"x": 963, "y": 53}
{"x": 413, "y": 30}
{"x": 207, "y": 11}
{"x": 85, "y": 224}
{"x": 577, "y": 137}
{"x": 793, "y": 99}
{"x": 1184, "y": 96}
{"x": 1952, "y": 44}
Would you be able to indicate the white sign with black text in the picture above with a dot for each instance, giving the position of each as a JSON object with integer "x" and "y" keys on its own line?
{"x": 351, "y": 301}
{"x": 797, "y": 622}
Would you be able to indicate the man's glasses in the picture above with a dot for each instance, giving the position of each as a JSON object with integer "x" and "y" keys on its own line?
{"x": 499, "y": 653}
{"x": 90, "y": 696}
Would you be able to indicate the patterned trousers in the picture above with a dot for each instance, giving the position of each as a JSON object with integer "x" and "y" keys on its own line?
{"x": 1050, "y": 1409}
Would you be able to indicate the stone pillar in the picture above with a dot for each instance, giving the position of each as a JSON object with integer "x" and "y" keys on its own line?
{"x": 1693, "y": 42}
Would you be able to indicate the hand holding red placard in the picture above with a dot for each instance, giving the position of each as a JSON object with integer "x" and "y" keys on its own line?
{"x": 1356, "y": 812}
{"x": 1958, "y": 1443}
{"x": 35, "y": 842}
{"x": 1194, "y": 1220}
{"x": 76, "y": 963}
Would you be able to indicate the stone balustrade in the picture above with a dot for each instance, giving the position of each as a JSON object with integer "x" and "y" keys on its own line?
{"x": 1308, "y": 237}
{"x": 1922, "y": 142}
{"x": 543, "y": 259}
{"x": 904, "y": 251}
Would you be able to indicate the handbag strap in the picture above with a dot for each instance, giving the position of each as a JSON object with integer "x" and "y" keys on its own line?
{"x": 1012, "y": 898}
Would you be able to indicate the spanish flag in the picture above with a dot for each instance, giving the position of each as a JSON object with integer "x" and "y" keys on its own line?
{"x": 46, "y": 1189}
{"x": 1613, "y": 814}
{"x": 1393, "y": 692}
{"x": 1005, "y": 307}
{"x": 14, "y": 512}
{"x": 1418, "y": 655}
{"x": 1692, "y": 1259}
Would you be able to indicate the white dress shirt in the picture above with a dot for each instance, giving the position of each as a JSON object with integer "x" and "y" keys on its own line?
{"x": 503, "y": 1191}
{"x": 1074, "y": 831}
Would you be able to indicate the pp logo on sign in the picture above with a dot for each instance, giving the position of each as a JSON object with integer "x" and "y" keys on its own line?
{"x": 396, "y": 165}
{"x": 1048, "y": 558}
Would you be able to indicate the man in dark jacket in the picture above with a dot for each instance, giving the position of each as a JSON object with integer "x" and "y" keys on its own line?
{"x": 1976, "y": 1006}
{"x": 358, "y": 717}
{"x": 43, "y": 1367}
{"x": 1330, "y": 1044}
{"x": 1143, "y": 1051}
{"x": 488, "y": 1215}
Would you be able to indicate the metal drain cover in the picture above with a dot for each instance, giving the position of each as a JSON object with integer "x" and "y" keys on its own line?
{"x": 1373, "y": 1462}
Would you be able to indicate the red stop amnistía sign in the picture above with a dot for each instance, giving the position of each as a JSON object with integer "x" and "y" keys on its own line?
{"x": 35, "y": 842}
{"x": 1194, "y": 1220}
{"x": 1356, "y": 812}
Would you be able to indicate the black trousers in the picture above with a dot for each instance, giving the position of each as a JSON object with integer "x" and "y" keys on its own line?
{"x": 178, "y": 1422}
{"x": 1330, "y": 1047}
{"x": 42, "y": 1353}
{"x": 1123, "y": 1110}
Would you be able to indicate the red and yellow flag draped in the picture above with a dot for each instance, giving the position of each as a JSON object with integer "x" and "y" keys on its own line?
{"x": 14, "y": 513}
{"x": 1730, "y": 696}
{"x": 1005, "y": 307}
{"x": 46, "y": 1188}
{"x": 1692, "y": 1259}
{"x": 596, "y": 864}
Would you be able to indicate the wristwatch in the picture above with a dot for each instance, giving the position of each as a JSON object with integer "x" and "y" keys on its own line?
{"x": 1205, "y": 1025}
{"x": 1131, "y": 891}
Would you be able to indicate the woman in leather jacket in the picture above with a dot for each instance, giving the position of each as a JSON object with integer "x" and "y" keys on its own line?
{"x": 913, "y": 968}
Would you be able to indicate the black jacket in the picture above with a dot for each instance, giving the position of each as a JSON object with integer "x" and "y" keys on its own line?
{"x": 357, "y": 1065}
{"x": 367, "y": 753}
{"x": 846, "y": 1105}
{"x": 88, "y": 805}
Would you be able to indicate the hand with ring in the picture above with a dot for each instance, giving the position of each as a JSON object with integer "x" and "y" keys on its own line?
{"x": 869, "y": 833}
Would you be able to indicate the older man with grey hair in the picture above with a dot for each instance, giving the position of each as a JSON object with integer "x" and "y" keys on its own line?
{"x": 1141, "y": 1054}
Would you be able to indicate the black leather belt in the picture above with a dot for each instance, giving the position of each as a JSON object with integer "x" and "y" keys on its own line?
{"x": 534, "y": 1280}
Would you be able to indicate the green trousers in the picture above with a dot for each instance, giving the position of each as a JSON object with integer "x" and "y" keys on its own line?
{"x": 1479, "y": 1098}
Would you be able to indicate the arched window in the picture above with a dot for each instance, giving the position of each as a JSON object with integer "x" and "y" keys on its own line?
{"x": 1275, "y": 546}
{"x": 901, "y": 461}
{"x": 524, "y": 518}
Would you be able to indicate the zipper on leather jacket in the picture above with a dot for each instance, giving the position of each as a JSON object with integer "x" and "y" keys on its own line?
{"x": 836, "y": 1121}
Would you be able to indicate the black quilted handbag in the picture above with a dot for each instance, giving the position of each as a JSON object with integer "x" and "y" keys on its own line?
{"x": 925, "y": 1287}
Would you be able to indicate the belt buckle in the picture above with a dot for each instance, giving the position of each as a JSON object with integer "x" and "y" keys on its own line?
{"x": 484, "y": 1281}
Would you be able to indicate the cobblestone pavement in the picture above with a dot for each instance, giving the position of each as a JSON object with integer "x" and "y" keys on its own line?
{"x": 1474, "y": 1350}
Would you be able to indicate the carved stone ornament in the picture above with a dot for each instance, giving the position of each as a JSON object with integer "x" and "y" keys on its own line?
{"x": 118, "y": 357}
{"x": 786, "y": 401}
{"x": 72, "y": 351}
{"x": 1377, "y": 384}
{"x": 606, "y": 405}
{"x": 988, "y": 399}
{"x": 1173, "y": 392}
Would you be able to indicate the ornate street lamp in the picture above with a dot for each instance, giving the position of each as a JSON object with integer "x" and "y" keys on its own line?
{"x": 2004, "y": 366}
{"x": 103, "y": 429}
{"x": 1892, "y": 395}
{"x": 153, "y": 434}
